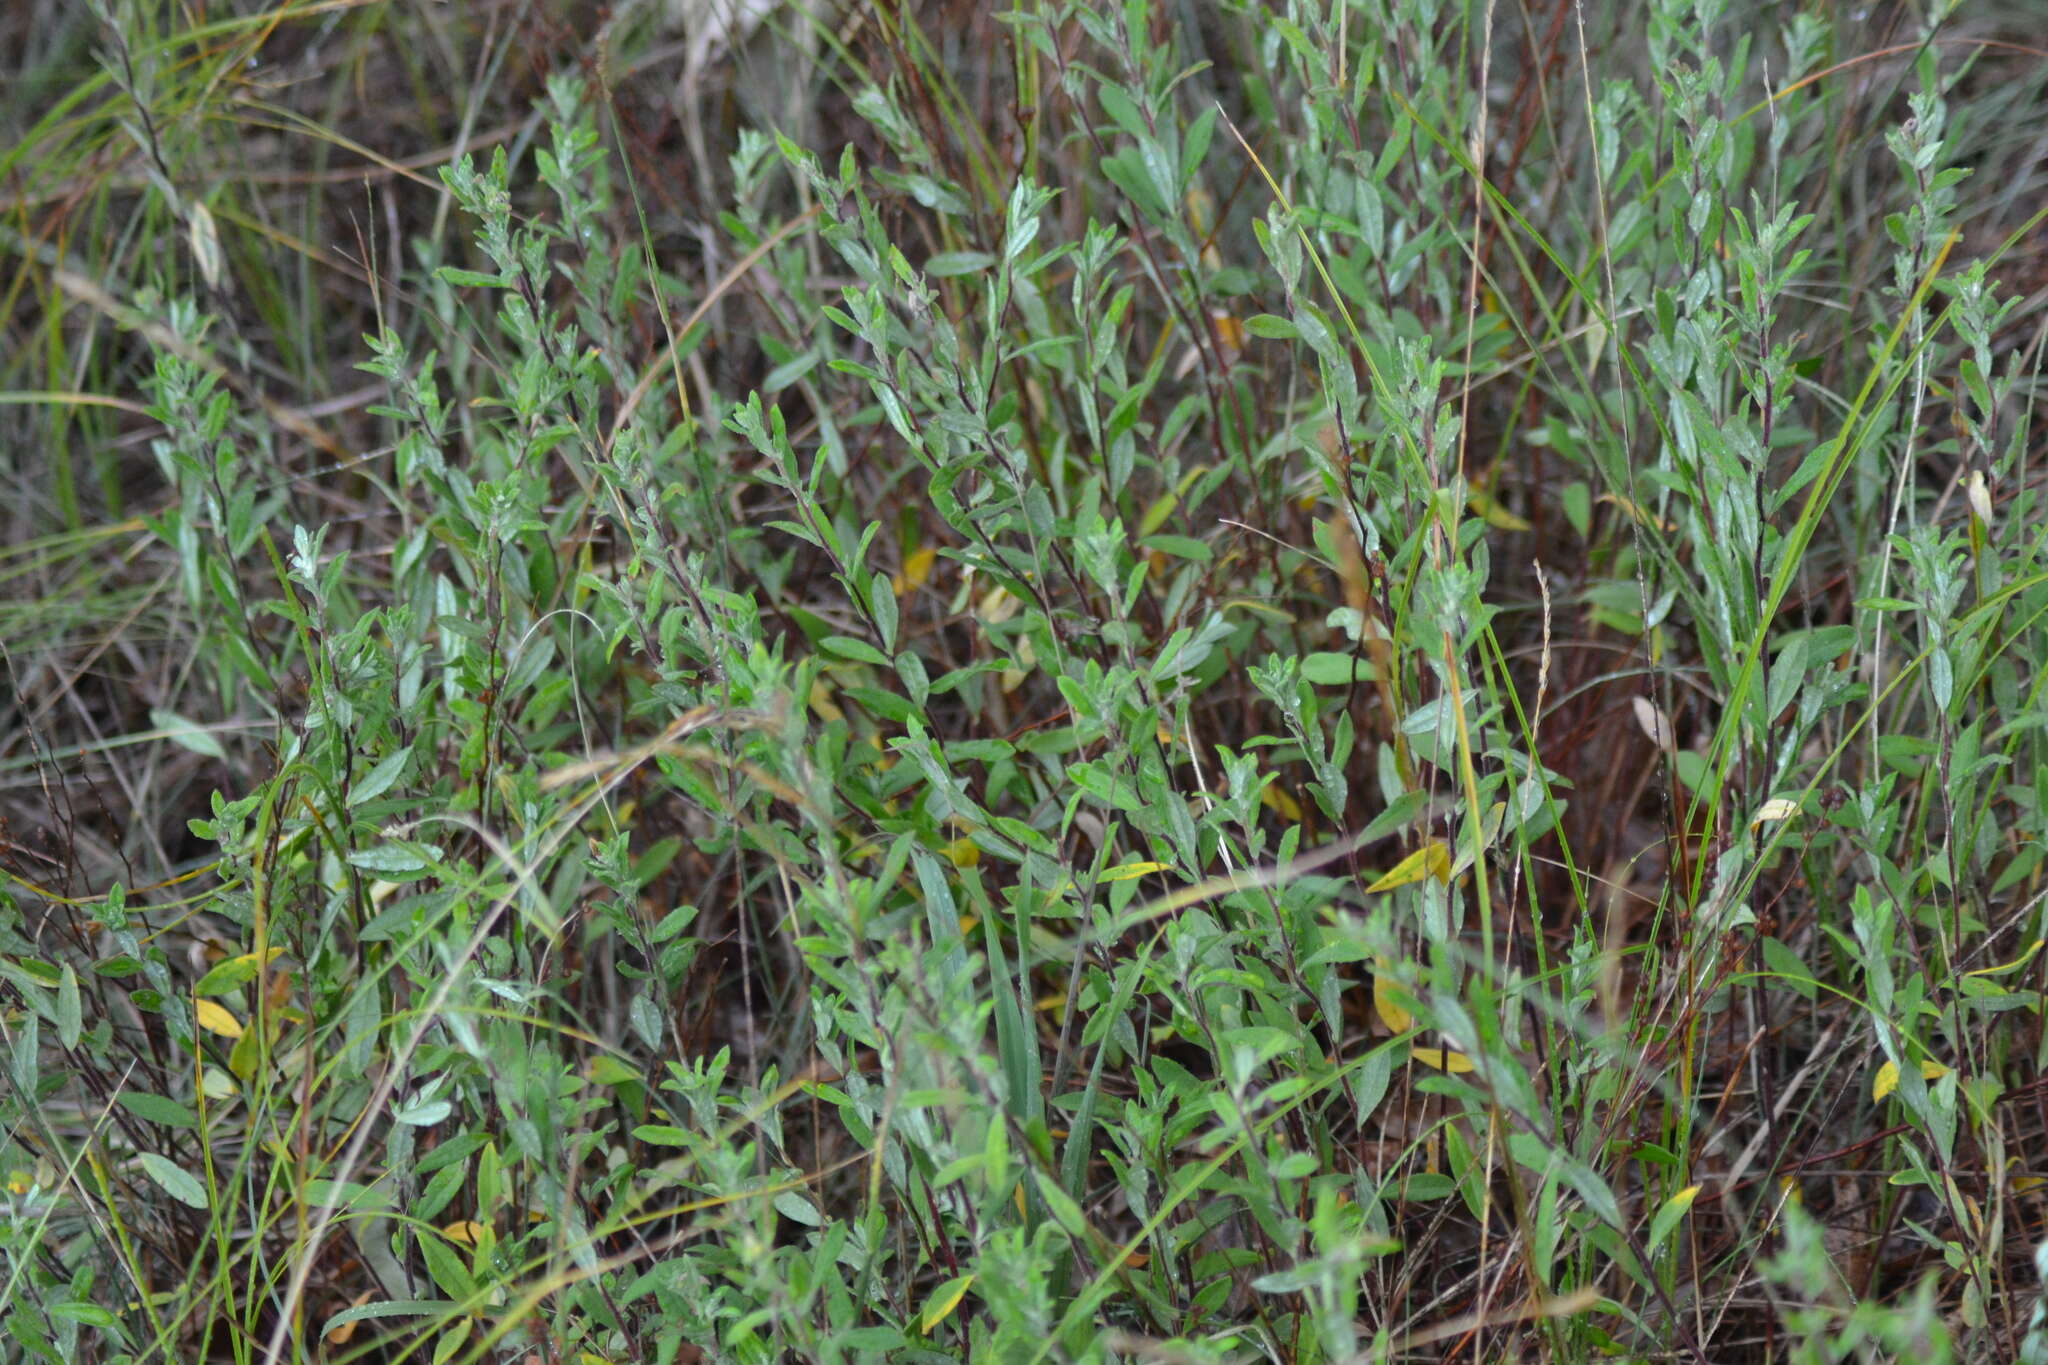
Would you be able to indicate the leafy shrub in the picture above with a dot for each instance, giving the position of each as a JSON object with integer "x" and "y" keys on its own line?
{"x": 1309, "y": 683}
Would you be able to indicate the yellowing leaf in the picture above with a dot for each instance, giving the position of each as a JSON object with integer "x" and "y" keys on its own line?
{"x": 204, "y": 239}
{"x": 607, "y": 1070}
{"x": 822, "y": 703}
{"x": 963, "y": 853}
{"x": 1162, "y": 507}
{"x": 465, "y": 1232}
{"x": 1887, "y": 1079}
{"x": 1027, "y": 658}
{"x": 1265, "y": 609}
{"x": 1457, "y": 1063}
{"x": 214, "y": 1018}
{"x": 916, "y": 570}
{"x": 944, "y": 1300}
{"x": 1654, "y": 723}
{"x": 338, "y": 1336}
{"x": 1276, "y": 796}
{"x": 1390, "y": 1000}
{"x": 1775, "y": 809}
{"x": 997, "y": 606}
{"x": 1496, "y": 516}
{"x": 1433, "y": 859}
{"x": 1489, "y": 827}
{"x": 2019, "y": 961}
{"x": 1634, "y": 511}
{"x": 1201, "y": 206}
{"x": 1132, "y": 870}
{"x": 1978, "y": 493}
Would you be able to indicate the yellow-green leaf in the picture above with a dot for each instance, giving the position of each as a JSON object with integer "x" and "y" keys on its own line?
{"x": 610, "y": 1071}
{"x": 1457, "y": 1063}
{"x": 1887, "y": 1079}
{"x": 1433, "y": 859}
{"x": 233, "y": 972}
{"x": 1667, "y": 1217}
{"x": 246, "y": 1056}
{"x": 1128, "y": 871}
{"x": 943, "y": 1301}
{"x": 2019, "y": 961}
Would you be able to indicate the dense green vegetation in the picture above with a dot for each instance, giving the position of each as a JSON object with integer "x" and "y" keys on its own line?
{"x": 1342, "y": 680}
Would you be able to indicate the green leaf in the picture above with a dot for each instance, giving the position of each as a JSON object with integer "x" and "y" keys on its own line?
{"x": 347, "y": 1194}
{"x": 186, "y": 734}
{"x": 444, "y": 1263}
{"x": 157, "y": 1109}
{"x": 1789, "y": 966}
{"x": 846, "y": 647}
{"x": 883, "y": 596}
{"x": 389, "y": 1308}
{"x": 948, "y": 264}
{"x": 1016, "y": 1039}
{"x": 1533, "y": 1152}
{"x": 1271, "y": 326}
{"x": 471, "y": 279}
{"x": 175, "y": 1181}
{"x": 70, "y": 1023}
{"x": 91, "y": 1314}
{"x": 1129, "y": 170}
{"x": 1425, "y": 1186}
{"x": 1335, "y": 670}
{"x": 391, "y": 861}
{"x": 380, "y": 779}
{"x": 798, "y": 1209}
{"x": 423, "y": 1115}
{"x": 1194, "y": 145}
{"x": 887, "y": 705}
